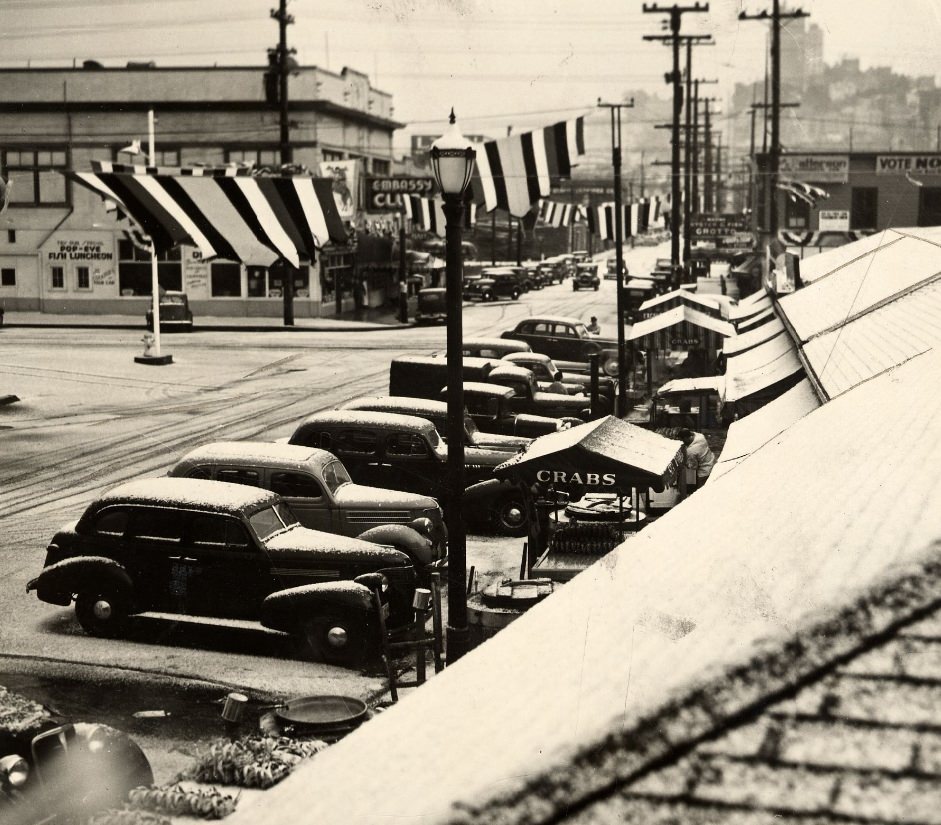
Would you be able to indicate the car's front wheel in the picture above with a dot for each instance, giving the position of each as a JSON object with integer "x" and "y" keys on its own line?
{"x": 101, "y": 613}
{"x": 515, "y": 294}
{"x": 596, "y": 287}
{"x": 335, "y": 639}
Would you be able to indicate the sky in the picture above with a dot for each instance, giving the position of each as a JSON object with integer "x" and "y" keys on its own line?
{"x": 517, "y": 62}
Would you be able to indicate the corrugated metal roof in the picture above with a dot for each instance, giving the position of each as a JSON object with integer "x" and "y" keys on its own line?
{"x": 877, "y": 341}
{"x": 678, "y": 315}
{"x": 752, "y": 432}
{"x": 752, "y": 337}
{"x": 819, "y": 266}
{"x": 861, "y": 285}
{"x": 690, "y": 298}
{"x": 751, "y": 305}
{"x": 756, "y": 357}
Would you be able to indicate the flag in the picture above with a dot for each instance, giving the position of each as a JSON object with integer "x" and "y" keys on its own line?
{"x": 514, "y": 172}
{"x": 225, "y": 212}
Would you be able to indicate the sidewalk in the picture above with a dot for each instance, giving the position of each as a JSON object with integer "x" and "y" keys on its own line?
{"x": 372, "y": 320}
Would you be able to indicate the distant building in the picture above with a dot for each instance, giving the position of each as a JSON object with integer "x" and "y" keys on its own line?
{"x": 868, "y": 191}
{"x": 61, "y": 251}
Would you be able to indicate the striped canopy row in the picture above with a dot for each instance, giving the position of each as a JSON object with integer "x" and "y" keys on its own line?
{"x": 226, "y": 213}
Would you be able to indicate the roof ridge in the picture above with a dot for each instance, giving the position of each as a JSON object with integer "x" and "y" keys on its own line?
{"x": 724, "y": 699}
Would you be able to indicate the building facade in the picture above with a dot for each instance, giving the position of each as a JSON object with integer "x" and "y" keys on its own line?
{"x": 62, "y": 251}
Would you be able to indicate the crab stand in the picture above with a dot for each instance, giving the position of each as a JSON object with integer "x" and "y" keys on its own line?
{"x": 608, "y": 455}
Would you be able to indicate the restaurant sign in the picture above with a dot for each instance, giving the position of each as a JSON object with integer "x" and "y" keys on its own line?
{"x": 382, "y": 194}
{"x": 815, "y": 168}
{"x": 586, "y": 479}
{"x": 900, "y": 164}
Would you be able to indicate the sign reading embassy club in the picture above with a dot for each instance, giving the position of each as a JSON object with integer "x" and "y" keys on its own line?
{"x": 382, "y": 194}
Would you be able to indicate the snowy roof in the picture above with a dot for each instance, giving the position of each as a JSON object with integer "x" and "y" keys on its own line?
{"x": 761, "y": 373}
{"x": 752, "y": 337}
{"x": 378, "y": 403}
{"x": 743, "y": 595}
{"x": 752, "y": 305}
{"x": 352, "y": 418}
{"x": 257, "y": 450}
{"x": 679, "y": 315}
{"x": 679, "y": 294}
{"x": 750, "y": 433}
{"x": 763, "y": 316}
{"x": 189, "y": 492}
{"x": 757, "y": 356}
{"x": 705, "y": 383}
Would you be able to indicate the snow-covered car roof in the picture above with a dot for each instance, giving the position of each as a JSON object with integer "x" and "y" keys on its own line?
{"x": 189, "y": 492}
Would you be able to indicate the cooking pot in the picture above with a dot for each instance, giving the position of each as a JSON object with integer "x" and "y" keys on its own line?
{"x": 321, "y": 713}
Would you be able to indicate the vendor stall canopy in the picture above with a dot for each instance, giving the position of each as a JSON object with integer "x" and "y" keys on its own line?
{"x": 604, "y": 454}
{"x": 225, "y": 212}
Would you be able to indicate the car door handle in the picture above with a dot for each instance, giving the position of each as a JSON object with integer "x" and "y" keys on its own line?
{"x": 183, "y": 558}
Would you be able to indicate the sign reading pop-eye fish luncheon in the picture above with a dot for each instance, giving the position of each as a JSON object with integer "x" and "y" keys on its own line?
{"x": 900, "y": 164}
{"x": 815, "y": 168}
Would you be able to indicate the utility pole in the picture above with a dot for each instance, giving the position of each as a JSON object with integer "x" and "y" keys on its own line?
{"x": 623, "y": 372}
{"x": 776, "y": 16}
{"x": 642, "y": 169}
{"x": 718, "y": 187}
{"x": 284, "y": 20}
{"x": 707, "y": 158}
{"x": 674, "y": 77}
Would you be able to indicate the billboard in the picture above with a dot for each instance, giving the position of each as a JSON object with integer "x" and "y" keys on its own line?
{"x": 345, "y": 179}
{"x": 815, "y": 168}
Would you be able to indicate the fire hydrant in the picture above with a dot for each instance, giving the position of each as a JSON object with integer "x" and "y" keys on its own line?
{"x": 148, "y": 341}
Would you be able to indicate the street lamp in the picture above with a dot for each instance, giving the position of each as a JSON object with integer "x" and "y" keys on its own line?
{"x": 452, "y": 163}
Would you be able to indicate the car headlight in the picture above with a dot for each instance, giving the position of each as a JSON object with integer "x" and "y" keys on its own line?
{"x": 423, "y": 525}
{"x": 14, "y": 771}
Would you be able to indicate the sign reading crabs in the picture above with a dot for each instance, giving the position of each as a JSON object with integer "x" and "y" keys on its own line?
{"x": 586, "y": 479}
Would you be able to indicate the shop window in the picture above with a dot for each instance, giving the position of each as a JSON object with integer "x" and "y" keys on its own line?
{"x": 258, "y": 157}
{"x": 36, "y": 176}
{"x": 226, "y": 280}
{"x": 7, "y": 276}
{"x": 58, "y": 277}
{"x": 864, "y": 211}
{"x": 929, "y": 206}
{"x": 82, "y": 277}
{"x": 11, "y": 236}
{"x": 327, "y": 155}
{"x": 380, "y": 167}
{"x": 134, "y": 276}
{"x": 796, "y": 213}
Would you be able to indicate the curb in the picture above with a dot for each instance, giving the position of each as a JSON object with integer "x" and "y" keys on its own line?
{"x": 210, "y": 328}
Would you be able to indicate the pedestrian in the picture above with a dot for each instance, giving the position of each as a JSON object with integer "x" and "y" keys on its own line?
{"x": 593, "y": 326}
{"x": 699, "y": 458}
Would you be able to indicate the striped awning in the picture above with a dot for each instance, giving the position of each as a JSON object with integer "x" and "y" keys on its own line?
{"x": 224, "y": 212}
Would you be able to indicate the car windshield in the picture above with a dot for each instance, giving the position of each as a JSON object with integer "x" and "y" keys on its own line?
{"x": 178, "y": 300}
{"x": 272, "y": 520}
{"x": 335, "y": 475}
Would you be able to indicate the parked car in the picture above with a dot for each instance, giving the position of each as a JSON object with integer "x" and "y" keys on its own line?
{"x": 551, "y": 378}
{"x": 490, "y": 407}
{"x": 586, "y": 277}
{"x": 489, "y": 288}
{"x": 566, "y": 339}
{"x": 437, "y": 413}
{"x": 406, "y": 452}
{"x": 611, "y": 267}
{"x": 528, "y": 398}
{"x": 175, "y": 313}
{"x": 490, "y": 348}
{"x": 432, "y": 306}
{"x": 553, "y": 271}
{"x": 423, "y": 376}
{"x": 319, "y": 491}
{"x": 210, "y": 548}
{"x": 535, "y": 276}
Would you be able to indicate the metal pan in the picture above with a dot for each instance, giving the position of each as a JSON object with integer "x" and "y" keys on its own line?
{"x": 322, "y": 712}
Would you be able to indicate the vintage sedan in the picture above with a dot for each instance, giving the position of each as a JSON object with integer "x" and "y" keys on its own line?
{"x": 432, "y": 306}
{"x": 319, "y": 491}
{"x": 551, "y": 378}
{"x": 489, "y": 288}
{"x": 209, "y": 548}
{"x": 175, "y": 313}
{"x": 586, "y": 277}
{"x": 566, "y": 339}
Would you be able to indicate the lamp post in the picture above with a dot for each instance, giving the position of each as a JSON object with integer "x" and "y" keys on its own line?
{"x": 452, "y": 163}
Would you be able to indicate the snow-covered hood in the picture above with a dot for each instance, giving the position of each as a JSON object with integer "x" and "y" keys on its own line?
{"x": 300, "y": 546}
{"x": 376, "y": 498}
{"x": 556, "y": 399}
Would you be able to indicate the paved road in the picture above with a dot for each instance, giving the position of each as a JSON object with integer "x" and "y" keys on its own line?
{"x": 90, "y": 418}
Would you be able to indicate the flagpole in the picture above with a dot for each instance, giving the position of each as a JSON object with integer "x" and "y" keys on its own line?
{"x": 154, "y": 279}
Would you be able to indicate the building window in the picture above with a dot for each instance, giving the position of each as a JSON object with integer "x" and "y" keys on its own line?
{"x": 380, "y": 167}
{"x": 58, "y": 277}
{"x": 796, "y": 213}
{"x": 864, "y": 212}
{"x": 269, "y": 283}
{"x": 929, "y": 206}
{"x": 134, "y": 270}
{"x": 7, "y": 276}
{"x": 327, "y": 154}
{"x": 36, "y": 176}
{"x": 258, "y": 157}
{"x": 226, "y": 280}
{"x": 82, "y": 277}
{"x": 164, "y": 157}
{"x": 11, "y": 236}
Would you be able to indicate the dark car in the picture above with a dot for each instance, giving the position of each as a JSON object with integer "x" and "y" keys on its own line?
{"x": 535, "y": 276}
{"x": 209, "y": 548}
{"x": 586, "y": 277}
{"x": 404, "y": 452}
{"x": 492, "y": 348}
{"x": 490, "y": 405}
{"x": 175, "y": 313}
{"x": 437, "y": 413}
{"x": 529, "y": 398}
{"x": 550, "y": 377}
{"x": 432, "y": 306}
{"x": 553, "y": 270}
{"x": 423, "y": 376}
{"x": 611, "y": 267}
{"x": 566, "y": 339}
{"x": 489, "y": 288}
